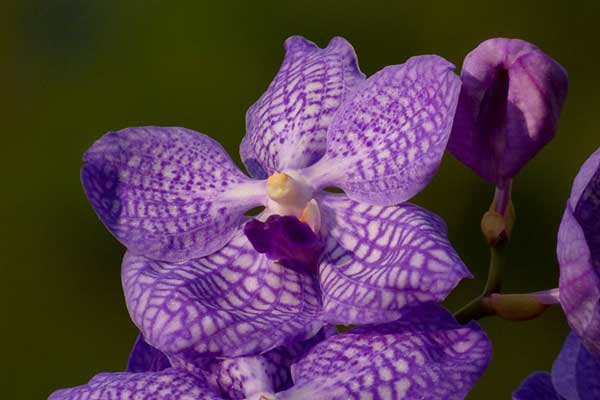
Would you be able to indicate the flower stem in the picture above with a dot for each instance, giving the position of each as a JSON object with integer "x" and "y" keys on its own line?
{"x": 494, "y": 281}
{"x": 476, "y": 308}
{"x": 473, "y": 310}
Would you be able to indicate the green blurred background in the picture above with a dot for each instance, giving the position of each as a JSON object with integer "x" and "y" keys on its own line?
{"x": 75, "y": 69}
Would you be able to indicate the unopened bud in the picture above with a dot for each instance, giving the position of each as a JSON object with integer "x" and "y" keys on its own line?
{"x": 514, "y": 307}
{"x": 497, "y": 228}
{"x": 492, "y": 227}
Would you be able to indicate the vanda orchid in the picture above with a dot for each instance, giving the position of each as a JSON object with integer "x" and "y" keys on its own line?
{"x": 194, "y": 282}
{"x": 232, "y": 306}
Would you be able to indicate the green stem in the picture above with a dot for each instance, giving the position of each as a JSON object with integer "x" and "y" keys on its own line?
{"x": 494, "y": 281}
{"x": 475, "y": 309}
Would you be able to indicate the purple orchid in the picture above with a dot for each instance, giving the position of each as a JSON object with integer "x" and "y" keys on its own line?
{"x": 424, "y": 355}
{"x": 196, "y": 286}
{"x": 578, "y": 251}
{"x": 510, "y": 101}
{"x": 576, "y": 371}
{"x": 574, "y": 376}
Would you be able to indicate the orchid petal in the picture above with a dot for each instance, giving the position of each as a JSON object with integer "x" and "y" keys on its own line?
{"x": 387, "y": 140}
{"x": 426, "y": 354}
{"x": 380, "y": 259}
{"x": 537, "y": 386}
{"x": 231, "y": 303}
{"x": 286, "y": 127}
{"x": 243, "y": 377}
{"x": 579, "y": 283}
{"x": 164, "y": 385}
{"x": 578, "y": 250}
{"x": 167, "y": 193}
{"x": 508, "y": 109}
{"x": 247, "y": 376}
{"x": 587, "y": 174}
{"x": 575, "y": 372}
{"x": 145, "y": 358}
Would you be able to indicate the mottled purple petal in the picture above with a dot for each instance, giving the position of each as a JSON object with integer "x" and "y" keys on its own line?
{"x": 167, "y": 193}
{"x": 575, "y": 373}
{"x": 169, "y": 384}
{"x": 509, "y": 105}
{"x": 380, "y": 259}
{"x": 282, "y": 357}
{"x": 287, "y": 240}
{"x": 248, "y": 376}
{"x": 537, "y": 386}
{"x": 588, "y": 173}
{"x": 578, "y": 251}
{"x": 145, "y": 358}
{"x": 243, "y": 377}
{"x": 231, "y": 303}
{"x": 286, "y": 128}
{"x": 386, "y": 142}
{"x": 579, "y": 284}
{"x": 426, "y": 354}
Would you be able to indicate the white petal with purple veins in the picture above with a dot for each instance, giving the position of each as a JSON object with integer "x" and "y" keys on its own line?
{"x": 379, "y": 260}
{"x": 168, "y": 384}
{"x": 387, "y": 140}
{"x": 286, "y": 127}
{"x": 167, "y": 193}
{"x": 231, "y": 303}
{"x": 426, "y": 354}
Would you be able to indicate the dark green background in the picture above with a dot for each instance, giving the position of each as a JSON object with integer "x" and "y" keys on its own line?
{"x": 72, "y": 70}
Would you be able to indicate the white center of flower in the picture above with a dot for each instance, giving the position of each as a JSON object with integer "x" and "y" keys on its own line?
{"x": 290, "y": 195}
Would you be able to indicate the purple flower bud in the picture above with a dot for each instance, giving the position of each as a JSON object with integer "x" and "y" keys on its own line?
{"x": 287, "y": 240}
{"x": 508, "y": 109}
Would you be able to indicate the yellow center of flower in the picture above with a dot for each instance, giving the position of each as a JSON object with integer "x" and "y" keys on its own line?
{"x": 290, "y": 195}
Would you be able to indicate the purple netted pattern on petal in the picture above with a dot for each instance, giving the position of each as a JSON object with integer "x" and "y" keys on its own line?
{"x": 426, "y": 354}
{"x": 575, "y": 373}
{"x": 509, "y": 105}
{"x": 380, "y": 259}
{"x": 167, "y": 193}
{"x": 286, "y": 128}
{"x": 145, "y": 358}
{"x": 287, "y": 240}
{"x": 386, "y": 142}
{"x": 537, "y": 386}
{"x": 231, "y": 303}
{"x": 243, "y": 377}
{"x": 169, "y": 384}
{"x": 282, "y": 357}
{"x": 578, "y": 251}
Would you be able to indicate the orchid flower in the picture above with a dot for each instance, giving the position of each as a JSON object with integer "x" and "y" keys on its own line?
{"x": 578, "y": 251}
{"x": 574, "y": 376}
{"x": 576, "y": 371}
{"x": 197, "y": 286}
{"x": 426, "y": 354}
